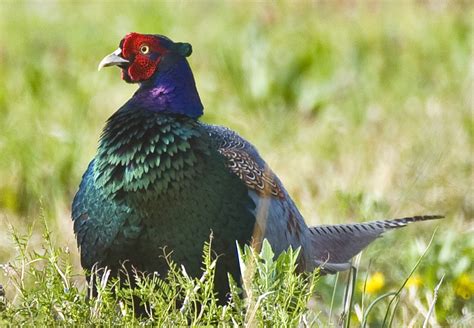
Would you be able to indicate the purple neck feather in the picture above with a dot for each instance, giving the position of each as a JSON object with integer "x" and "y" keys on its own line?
{"x": 171, "y": 90}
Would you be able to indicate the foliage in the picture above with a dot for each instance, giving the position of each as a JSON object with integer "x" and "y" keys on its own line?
{"x": 47, "y": 294}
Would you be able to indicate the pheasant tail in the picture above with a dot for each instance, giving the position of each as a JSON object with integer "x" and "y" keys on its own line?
{"x": 334, "y": 245}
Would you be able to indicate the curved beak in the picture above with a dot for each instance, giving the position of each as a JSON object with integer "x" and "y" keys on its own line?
{"x": 114, "y": 59}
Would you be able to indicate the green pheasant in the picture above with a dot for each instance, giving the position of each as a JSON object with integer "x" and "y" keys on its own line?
{"x": 161, "y": 178}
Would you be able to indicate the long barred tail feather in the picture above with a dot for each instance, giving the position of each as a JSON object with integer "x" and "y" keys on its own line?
{"x": 332, "y": 246}
{"x": 401, "y": 222}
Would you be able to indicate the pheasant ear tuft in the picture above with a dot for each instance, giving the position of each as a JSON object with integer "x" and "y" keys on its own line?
{"x": 183, "y": 48}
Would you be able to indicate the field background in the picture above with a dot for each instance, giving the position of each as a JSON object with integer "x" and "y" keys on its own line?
{"x": 363, "y": 109}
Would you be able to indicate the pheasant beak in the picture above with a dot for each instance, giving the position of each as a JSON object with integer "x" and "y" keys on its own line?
{"x": 114, "y": 59}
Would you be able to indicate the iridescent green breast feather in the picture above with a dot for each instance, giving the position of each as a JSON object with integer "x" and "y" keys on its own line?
{"x": 144, "y": 151}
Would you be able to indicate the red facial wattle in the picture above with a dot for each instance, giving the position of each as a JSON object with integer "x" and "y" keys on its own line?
{"x": 142, "y": 68}
{"x": 144, "y": 53}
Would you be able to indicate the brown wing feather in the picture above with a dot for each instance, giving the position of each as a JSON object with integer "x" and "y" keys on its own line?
{"x": 255, "y": 177}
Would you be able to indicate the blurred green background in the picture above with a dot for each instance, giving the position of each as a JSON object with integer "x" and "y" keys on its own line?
{"x": 363, "y": 108}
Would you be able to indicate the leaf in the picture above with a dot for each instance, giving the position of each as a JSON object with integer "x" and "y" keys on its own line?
{"x": 266, "y": 253}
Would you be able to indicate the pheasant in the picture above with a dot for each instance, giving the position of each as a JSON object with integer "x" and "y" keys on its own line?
{"x": 162, "y": 178}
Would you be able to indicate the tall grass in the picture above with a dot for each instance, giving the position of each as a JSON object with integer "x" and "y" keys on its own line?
{"x": 48, "y": 295}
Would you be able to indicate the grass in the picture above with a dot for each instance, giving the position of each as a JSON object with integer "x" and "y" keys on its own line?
{"x": 364, "y": 110}
{"x": 47, "y": 293}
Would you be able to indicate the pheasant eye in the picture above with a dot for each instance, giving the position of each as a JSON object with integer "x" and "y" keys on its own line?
{"x": 144, "y": 49}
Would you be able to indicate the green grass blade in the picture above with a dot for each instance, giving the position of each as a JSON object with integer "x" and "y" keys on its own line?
{"x": 406, "y": 279}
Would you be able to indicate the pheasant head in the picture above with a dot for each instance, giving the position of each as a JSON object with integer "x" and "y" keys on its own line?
{"x": 160, "y": 67}
{"x": 140, "y": 55}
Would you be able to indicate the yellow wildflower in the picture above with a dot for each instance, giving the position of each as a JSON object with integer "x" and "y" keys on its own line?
{"x": 414, "y": 281}
{"x": 464, "y": 286}
{"x": 375, "y": 283}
